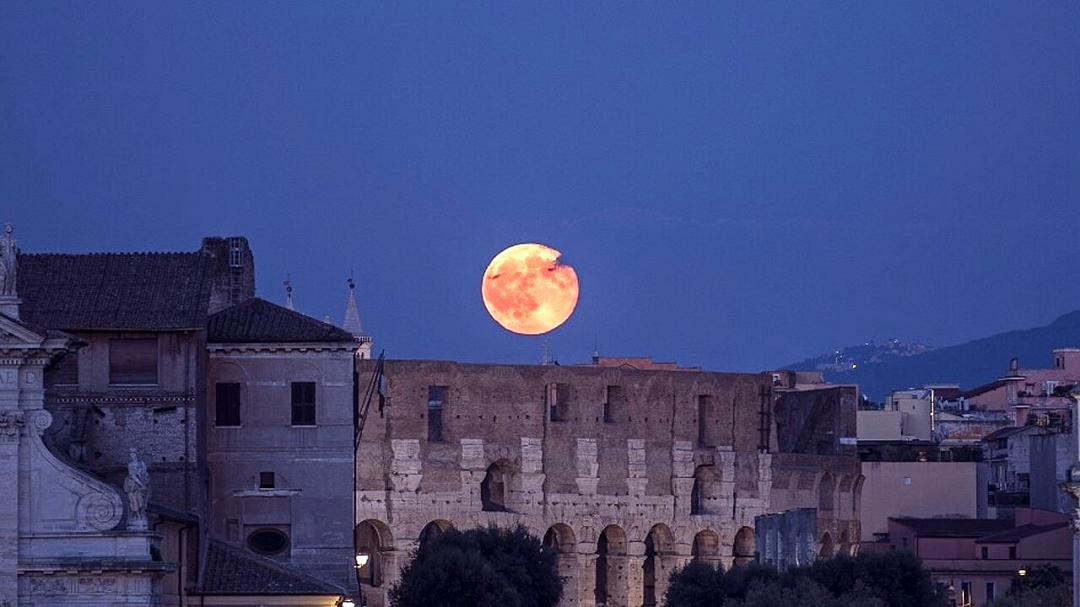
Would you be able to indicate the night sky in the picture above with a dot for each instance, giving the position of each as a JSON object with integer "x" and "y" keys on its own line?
{"x": 738, "y": 187}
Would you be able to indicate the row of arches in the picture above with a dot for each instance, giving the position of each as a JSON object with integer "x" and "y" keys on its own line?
{"x": 608, "y": 567}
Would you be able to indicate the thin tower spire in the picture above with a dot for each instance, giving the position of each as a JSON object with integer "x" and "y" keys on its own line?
{"x": 288, "y": 292}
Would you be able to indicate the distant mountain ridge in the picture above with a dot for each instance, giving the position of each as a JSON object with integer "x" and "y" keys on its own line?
{"x": 879, "y": 369}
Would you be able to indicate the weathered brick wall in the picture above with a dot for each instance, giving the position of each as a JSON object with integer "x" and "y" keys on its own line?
{"x": 96, "y": 424}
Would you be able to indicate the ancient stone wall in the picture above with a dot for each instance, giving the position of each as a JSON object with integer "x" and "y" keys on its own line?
{"x": 627, "y": 474}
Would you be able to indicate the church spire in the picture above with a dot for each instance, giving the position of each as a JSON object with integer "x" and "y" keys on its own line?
{"x": 352, "y": 312}
{"x": 288, "y": 292}
{"x": 352, "y": 321}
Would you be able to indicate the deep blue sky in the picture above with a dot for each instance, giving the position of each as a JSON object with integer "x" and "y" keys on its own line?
{"x": 737, "y": 187}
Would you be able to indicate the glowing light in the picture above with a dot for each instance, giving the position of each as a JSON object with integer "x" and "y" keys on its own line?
{"x": 527, "y": 291}
{"x": 362, "y": 560}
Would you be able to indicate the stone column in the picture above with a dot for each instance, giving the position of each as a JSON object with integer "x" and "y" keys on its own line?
{"x": 636, "y": 475}
{"x": 11, "y": 423}
{"x": 586, "y": 590}
{"x": 634, "y": 575}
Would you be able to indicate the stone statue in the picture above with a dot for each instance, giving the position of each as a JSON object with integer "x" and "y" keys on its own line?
{"x": 8, "y": 262}
{"x": 137, "y": 488}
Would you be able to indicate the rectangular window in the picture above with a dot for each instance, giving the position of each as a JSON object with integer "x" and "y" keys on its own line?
{"x": 227, "y": 404}
{"x": 303, "y": 403}
{"x": 991, "y": 592}
{"x": 705, "y": 414}
{"x": 614, "y": 402}
{"x": 133, "y": 361}
{"x": 437, "y": 398}
{"x": 558, "y": 400}
{"x": 965, "y": 594}
{"x": 1012, "y": 552}
{"x": 266, "y": 480}
{"x": 985, "y": 552}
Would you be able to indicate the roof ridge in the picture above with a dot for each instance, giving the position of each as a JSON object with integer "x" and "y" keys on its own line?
{"x": 113, "y": 253}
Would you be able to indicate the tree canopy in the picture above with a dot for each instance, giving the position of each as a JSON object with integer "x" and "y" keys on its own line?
{"x": 483, "y": 567}
{"x": 895, "y": 579}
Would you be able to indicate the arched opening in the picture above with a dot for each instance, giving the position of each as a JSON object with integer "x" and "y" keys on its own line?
{"x": 826, "y": 489}
{"x": 856, "y": 496}
{"x": 560, "y": 539}
{"x": 844, "y": 548}
{"x": 373, "y": 539}
{"x": 431, "y": 531}
{"x": 826, "y": 551}
{"x": 742, "y": 548}
{"x": 706, "y": 547}
{"x": 705, "y": 492}
{"x": 659, "y": 550}
{"x": 495, "y": 488}
{"x": 611, "y": 567}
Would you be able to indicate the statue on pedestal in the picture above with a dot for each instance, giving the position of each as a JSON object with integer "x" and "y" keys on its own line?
{"x": 137, "y": 488}
{"x": 8, "y": 262}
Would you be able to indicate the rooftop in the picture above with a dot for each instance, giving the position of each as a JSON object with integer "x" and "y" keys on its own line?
{"x": 124, "y": 291}
{"x": 258, "y": 320}
{"x": 230, "y": 570}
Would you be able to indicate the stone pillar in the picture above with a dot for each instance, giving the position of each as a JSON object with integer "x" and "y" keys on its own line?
{"x": 636, "y": 476}
{"x": 586, "y": 590}
{"x": 570, "y": 571}
{"x": 531, "y": 500}
{"x": 634, "y": 579}
{"x": 11, "y": 424}
{"x": 682, "y": 476}
{"x": 587, "y": 466}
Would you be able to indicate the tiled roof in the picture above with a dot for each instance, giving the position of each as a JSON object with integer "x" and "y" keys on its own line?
{"x": 230, "y": 570}
{"x": 132, "y": 291}
{"x": 1018, "y": 533}
{"x": 954, "y": 527}
{"x": 257, "y": 320}
{"x": 1005, "y": 432}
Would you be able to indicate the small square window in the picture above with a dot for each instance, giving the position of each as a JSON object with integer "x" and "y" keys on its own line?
{"x": 266, "y": 480}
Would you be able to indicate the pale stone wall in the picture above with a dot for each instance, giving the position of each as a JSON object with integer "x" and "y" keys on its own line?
{"x": 630, "y": 478}
{"x": 312, "y": 466}
{"x": 917, "y": 490}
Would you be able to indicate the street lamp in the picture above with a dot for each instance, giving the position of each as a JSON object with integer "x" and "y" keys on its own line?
{"x": 362, "y": 560}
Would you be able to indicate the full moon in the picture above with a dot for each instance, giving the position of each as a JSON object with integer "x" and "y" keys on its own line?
{"x": 527, "y": 290}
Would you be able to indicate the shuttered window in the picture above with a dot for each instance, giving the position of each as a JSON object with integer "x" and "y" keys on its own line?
{"x": 303, "y": 403}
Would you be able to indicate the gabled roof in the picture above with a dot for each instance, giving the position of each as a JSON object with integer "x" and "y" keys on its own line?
{"x": 128, "y": 291}
{"x": 230, "y": 570}
{"x": 1018, "y": 533}
{"x": 954, "y": 527}
{"x": 258, "y": 320}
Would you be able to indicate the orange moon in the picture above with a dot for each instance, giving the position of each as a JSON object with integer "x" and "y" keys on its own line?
{"x": 527, "y": 290}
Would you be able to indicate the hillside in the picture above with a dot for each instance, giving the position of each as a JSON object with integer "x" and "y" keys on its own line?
{"x": 879, "y": 370}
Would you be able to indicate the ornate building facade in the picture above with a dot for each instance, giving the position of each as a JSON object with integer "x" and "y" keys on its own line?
{"x": 626, "y": 473}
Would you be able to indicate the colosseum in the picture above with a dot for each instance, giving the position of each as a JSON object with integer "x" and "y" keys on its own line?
{"x": 626, "y": 470}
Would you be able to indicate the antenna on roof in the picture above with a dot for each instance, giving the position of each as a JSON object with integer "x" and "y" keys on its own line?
{"x": 288, "y": 292}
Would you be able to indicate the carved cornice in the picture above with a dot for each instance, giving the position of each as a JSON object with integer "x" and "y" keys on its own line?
{"x": 277, "y": 348}
{"x": 121, "y": 398}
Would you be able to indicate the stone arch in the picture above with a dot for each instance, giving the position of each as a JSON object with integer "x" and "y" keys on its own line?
{"x": 742, "y": 549}
{"x": 706, "y": 547}
{"x": 856, "y": 495}
{"x": 432, "y": 530}
{"x": 495, "y": 488}
{"x": 560, "y": 538}
{"x": 658, "y": 564}
{"x": 372, "y": 540}
{"x": 705, "y": 492}
{"x": 844, "y": 547}
{"x": 826, "y": 493}
{"x": 611, "y": 578}
{"x": 826, "y": 550}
